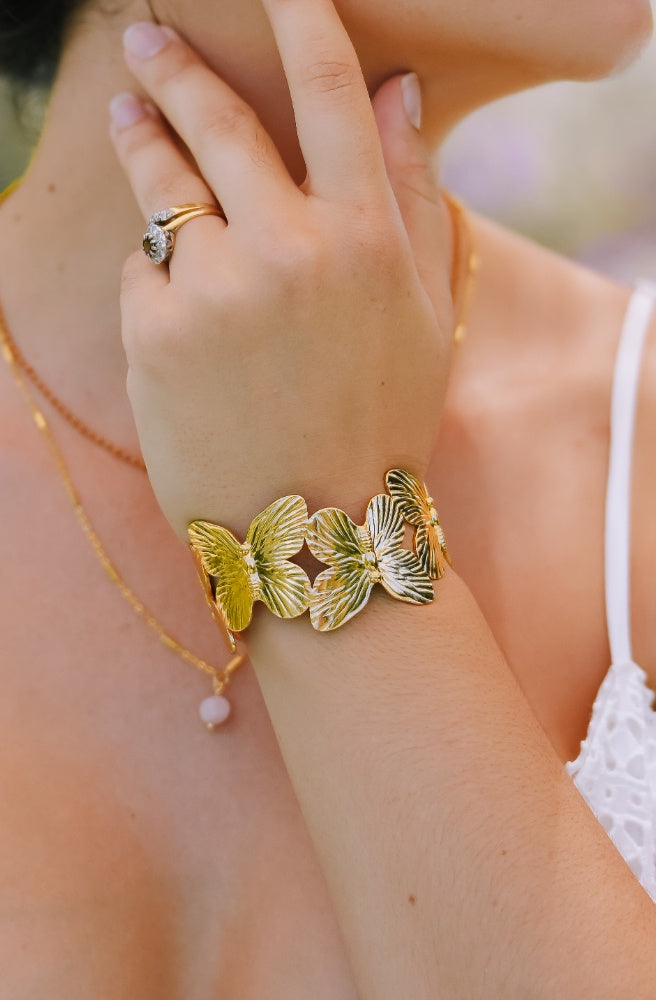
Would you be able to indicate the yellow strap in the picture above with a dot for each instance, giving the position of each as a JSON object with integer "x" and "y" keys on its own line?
{"x": 11, "y": 187}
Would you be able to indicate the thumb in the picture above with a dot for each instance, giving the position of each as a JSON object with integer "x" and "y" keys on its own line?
{"x": 397, "y": 107}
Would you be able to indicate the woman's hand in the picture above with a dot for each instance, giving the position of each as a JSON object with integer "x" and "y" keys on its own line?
{"x": 303, "y": 347}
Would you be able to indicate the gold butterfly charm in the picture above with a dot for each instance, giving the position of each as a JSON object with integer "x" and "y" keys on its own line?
{"x": 418, "y": 509}
{"x": 257, "y": 569}
{"x": 358, "y": 557}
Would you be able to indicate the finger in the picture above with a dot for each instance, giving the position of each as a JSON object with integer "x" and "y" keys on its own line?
{"x": 334, "y": 120}
{"x": 160, "y": 175}
{"x": 142, "y": 284}
{"x": 157, "y": 170}
{"x": 233, "y": 151}
{"x": 410, "y": 174}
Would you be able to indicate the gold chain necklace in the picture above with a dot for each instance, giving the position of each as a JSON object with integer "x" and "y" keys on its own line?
{"x": 464, "y": 250}
{"x": 213, "y": 710}
{"x": 76, "y": 422}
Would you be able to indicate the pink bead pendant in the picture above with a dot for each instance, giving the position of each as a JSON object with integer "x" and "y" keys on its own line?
{"x": 214, "y": 711}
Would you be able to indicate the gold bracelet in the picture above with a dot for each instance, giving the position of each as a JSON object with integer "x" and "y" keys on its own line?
{"x": 236, "y": 574}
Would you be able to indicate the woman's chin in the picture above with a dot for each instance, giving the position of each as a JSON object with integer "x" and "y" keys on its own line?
{"x": 627, "y": 29}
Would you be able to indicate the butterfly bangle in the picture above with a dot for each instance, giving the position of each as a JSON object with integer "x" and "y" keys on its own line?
{"x": 237, "y": 574}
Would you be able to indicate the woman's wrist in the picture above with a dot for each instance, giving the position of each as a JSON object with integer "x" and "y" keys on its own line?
{"x": 323, "y": 479}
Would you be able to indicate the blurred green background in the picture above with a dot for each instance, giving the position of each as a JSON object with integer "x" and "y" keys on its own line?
{"x": 572, "y": 165}
{"x": 19, "y": 125}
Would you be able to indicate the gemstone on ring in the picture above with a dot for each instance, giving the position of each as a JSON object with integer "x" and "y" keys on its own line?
{"x": 159, "y": 238}
{"x": 157, "y": 242}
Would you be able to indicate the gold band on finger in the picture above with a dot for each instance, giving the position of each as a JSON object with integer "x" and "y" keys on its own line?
{"x": 159, "y": 238}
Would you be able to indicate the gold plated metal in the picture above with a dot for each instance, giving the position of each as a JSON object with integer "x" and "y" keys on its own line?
{"x": 257, "y": 569}
{"x": 159, "y": 239}
{"x": 359, "y": 557}
{"x": 418, "y": 509}
{"x": 465, "y": 259}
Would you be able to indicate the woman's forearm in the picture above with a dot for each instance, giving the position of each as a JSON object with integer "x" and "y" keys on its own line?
{"x": 461, "y": 860}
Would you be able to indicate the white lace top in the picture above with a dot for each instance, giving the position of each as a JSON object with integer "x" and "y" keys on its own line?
{"x": 615, "y": 770}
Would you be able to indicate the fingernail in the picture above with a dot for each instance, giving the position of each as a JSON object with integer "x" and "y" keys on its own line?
{"x": 144, "y": 39}
{"x": 126, "y": 110}
{"x": 412, "y": 98}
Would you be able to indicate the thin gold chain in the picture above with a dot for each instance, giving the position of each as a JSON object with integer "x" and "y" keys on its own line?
{"x": 28, "y": 370}
{"x": 463, "y": 247}
{"x": 220, "y": 677}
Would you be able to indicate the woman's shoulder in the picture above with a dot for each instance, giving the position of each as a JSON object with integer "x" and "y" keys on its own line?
{"x": 543, "y": 329}
{"x": 553, "y": 291}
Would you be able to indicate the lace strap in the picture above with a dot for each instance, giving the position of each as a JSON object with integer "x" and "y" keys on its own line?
{"x": 618, "y": 494}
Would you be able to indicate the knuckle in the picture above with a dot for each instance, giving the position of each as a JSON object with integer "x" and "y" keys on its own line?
{"x": 223, "y": 122}
{"x": 132, "y": 273}
{"x": 132, "y": 141}
{"x": 259, "y": 149}
{"x": 298, "y": 256}
{"x": 383, "y": 246}
{"x": 152, "y": 343}
{"x": 328, "y": 75}
{"x": 417, "y": 182}
{"x": 180, "y": 67}
{"x": 372, "y": 238}
{"x": 220, "y": 301}
{"x": 391, "y": 258}
{"x": 370, "y": 225}
{"x": 147, "y": 324}
{"x": 167, "y": 189}
{"x": 292, "y": 265}
{"x": 379, "y": 256}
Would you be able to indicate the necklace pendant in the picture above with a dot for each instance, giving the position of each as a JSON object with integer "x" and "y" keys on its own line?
{"x": 214, "y": 711}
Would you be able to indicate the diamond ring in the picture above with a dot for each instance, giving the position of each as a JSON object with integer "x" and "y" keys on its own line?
{"x": 159, "y": 238}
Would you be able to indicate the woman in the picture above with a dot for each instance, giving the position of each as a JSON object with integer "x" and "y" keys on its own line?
{"x": 410, "y": 830}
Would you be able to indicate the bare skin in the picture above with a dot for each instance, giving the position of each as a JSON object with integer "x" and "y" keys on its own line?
{"x": 142, "y": 857}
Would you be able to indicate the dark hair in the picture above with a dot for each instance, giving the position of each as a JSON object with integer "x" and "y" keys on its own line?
{"x": 31, "y": 37}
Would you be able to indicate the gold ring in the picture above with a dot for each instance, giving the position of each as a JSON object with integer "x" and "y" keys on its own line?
{"x": 159, "y": 238}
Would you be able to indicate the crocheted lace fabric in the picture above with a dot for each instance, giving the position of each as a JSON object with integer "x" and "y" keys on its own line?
{"x": 616, "y": 767}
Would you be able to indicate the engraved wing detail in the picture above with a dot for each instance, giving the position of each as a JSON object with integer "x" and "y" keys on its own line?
{"x": 359, "y": 557}
{"x": 417, "y": 507}
{"x": 343, "y": 589}
{"x": 401, "y": 572}
{"x": 222, "y": 558}
{"x": 275, "y": 535}
{"x": 258, "y": 569}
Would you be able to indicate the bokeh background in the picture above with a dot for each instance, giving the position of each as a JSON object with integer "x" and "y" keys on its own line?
{"x": 573, "y": 165}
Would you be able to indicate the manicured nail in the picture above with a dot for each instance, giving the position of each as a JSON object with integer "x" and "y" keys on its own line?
{"x": 126, "y": 110}
{"x": 412, "y": 98}
{"x": 144, "y": 39}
